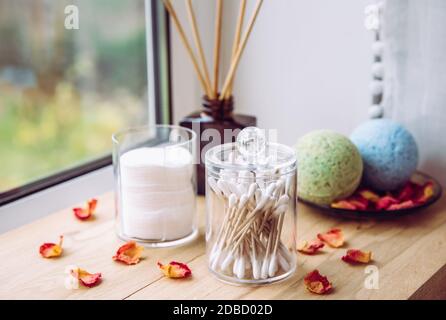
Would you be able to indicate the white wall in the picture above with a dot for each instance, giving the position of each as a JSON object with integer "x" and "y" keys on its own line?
{"x": 415, "y": 33}
{"x": 306, "y": 66}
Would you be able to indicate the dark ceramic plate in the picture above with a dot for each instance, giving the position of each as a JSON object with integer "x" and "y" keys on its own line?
{"x": 418, "y": 177}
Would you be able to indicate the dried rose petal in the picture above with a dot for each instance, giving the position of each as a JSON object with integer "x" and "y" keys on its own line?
{"x": 407, "y": 192}
{"x": 386, "y": 202}
{"x": 317, "y": 283}
{"x": 343, "y": 204}
{"x": 85, "y": 278}
{"x": 359, "y": 202}
{"x": 369, "y": 195}
{"x": 356, "y": 202}
{"x": 129, "y": 253}
{"x": 357, "y": 256}
{"x": 334, "y": 238}
{"x": 51, "y": 250}
{"x": 176, "y": 270}
{"x": 403, "y": 205}
{"x": 426, "y": 194}
{"x": 310, "y": 247}
{"x": 86, "y": 213}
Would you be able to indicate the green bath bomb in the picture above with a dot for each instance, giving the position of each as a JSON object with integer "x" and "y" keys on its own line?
{"x": 329, "y": 167}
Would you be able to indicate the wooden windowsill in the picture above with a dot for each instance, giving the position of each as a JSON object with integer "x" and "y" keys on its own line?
{"x": 410, "y": 254}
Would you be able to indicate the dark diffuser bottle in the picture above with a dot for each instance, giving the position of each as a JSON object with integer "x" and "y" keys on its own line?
{"x": 216, "y": 115}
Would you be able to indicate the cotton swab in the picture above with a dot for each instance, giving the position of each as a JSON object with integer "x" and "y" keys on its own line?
{"x": 240, "y": 268}
{"x": 248, "y": 243}
{"x": 254, "y": 261}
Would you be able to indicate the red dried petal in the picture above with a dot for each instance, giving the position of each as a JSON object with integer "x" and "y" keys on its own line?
{"x": 357, "y": 256}
{"x": 355, "y": 202}
{"x": 369, "y": 195}
{"x": 359, "y": 202}
{"x": 176, "y": 270}
{"x": 51, "y": 250}
{"x": 426, "y": 193}
{"x": 85, "y": 278}
{"x": 407, "y": 192}
{"x": 86, "y": 213}
{"x": 403, "y": 205}
{"x": 310, "y": 247}
{"x": 129, "y": 253}
{"x": 343, "y": 204}
{"x": 385, "y": 202}
{"x": 92, "y": 204}
{"x": 334, "y": 238}
{"x": 317, "y": 283}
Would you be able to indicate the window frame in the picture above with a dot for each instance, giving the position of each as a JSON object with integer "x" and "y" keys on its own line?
{"x": 159, "y": 95}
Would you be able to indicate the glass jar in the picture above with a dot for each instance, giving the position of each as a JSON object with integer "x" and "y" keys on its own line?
{"x": 251, "y": 210}
{"x": 155, "y": 185}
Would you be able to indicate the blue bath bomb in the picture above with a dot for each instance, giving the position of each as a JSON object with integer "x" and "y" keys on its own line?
{"x": 389, "y": 153}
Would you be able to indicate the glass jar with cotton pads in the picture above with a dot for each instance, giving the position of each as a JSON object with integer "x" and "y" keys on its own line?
{"x": 251, "y": 210}
{"x": 155, "y": 185}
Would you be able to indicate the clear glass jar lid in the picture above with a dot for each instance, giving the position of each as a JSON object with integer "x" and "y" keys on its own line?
{"x": 251, "y": 152}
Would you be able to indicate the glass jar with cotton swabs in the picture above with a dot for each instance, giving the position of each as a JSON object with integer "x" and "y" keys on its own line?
{"x": 251, "y": 210}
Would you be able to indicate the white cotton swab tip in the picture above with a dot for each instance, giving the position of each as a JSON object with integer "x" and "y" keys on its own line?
{"x": 233, "y": 187}
{"x": 272, "y": 266}
{"x": 215, "y": 260}
{"x": 214, "y": 251}
{"x": 255, "y": 268}
{"x": 282, "y": 209}
{"x": 264, "y": 201}
{"x": 243, "y": 200}
{"x": 283, "y": 200}
{"x": 240, "y": 268}
{"x": 270, "y": 189}
{"x": 251, "y": 190}
{"x": 280, "y": 187}
{"x": 227, "y": 262}
{"x": 265, "y": 267}
{"x": 232, "y": 201}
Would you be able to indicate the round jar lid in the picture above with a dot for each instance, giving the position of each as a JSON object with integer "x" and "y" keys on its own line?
{"x": 251, "y": 152}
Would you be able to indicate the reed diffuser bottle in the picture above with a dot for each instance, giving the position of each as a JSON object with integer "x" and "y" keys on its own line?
{"x": 216, "y": 115}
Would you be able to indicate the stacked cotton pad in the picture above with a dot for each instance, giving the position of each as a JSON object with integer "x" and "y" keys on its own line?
{"x": 158, "y": 199}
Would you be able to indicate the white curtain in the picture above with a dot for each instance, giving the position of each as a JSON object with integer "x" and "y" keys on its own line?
{"x": 415, "y": 90}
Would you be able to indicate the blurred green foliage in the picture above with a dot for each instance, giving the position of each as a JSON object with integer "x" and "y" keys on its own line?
{"x": 40, "y": 136}
{"x": 113, "y": 71}
{"x": 88, "y": 84}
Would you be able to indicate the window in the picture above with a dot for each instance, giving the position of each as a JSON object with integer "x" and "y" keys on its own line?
{"x": 64, "y": 91}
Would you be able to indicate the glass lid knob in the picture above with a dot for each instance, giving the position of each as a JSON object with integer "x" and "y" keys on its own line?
{"x": 251, "y": 144}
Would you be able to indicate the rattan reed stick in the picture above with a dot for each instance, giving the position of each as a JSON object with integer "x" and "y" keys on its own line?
{"x": 183, "y": 37}
{"x": 240, "y": 50}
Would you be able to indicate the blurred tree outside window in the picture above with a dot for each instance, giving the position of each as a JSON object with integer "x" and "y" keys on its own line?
{"x": 64, "y": 92}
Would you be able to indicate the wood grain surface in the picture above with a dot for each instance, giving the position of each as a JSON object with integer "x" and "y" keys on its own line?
{"x": 409, "y": 253}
